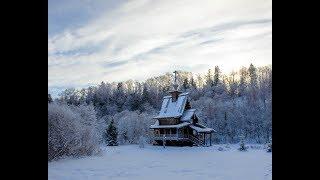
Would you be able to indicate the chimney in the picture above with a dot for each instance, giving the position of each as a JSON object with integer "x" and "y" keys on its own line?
{"x": 174, "y": 95}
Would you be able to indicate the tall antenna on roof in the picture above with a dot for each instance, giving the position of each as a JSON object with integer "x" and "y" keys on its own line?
{"x": 175, "y": 85}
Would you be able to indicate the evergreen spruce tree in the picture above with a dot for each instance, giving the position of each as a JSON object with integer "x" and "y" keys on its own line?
{"x": 185, "y": 84}
{"x": 120, "y": 96}
{"x": 253, "y": 76}
{"x": 269, "y": 146}
{"x": 209, "y": 81}
{"x": 111, "y": 134}
{"x": 216, "y": 78}
{"x": 49, "y": 98}
{"x": 253, "y": 93}
{"x": 243, "y": 81}
{"x": 242, "y": 145}
{"x": 145, "y": 94}
{"x": 193, "y": 83}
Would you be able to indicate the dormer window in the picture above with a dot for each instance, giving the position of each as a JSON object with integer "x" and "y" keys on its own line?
{"x": 188, "y": 106}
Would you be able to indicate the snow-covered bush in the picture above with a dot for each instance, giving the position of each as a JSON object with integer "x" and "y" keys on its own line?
{"x": 131, "y": 125}
{"x": 142, "y": 142}
{"x": 255, "y": 147}
{"x": 220, "y": 148}
{"x": 242, "y": 147}
{"x": 71, "y": 131}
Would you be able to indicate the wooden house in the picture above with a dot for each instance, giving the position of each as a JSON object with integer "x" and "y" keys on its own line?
{"x": 177, "y": 122}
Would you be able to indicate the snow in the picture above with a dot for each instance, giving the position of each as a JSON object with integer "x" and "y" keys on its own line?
{"x": 187, "y": 115}
{"x": 156, "y": 125}
{"x": 172, "y": 109}
{"x": 202, "y": 129}
{"x": 217, "y": 162}
{"x": 184, "y": 94}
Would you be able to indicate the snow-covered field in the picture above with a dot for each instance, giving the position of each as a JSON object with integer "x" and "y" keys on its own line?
{"x": 156, "y": 162}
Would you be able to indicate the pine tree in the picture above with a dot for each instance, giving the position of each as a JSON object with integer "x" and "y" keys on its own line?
{"x": 145, "y": 94}
{"x": 185, "y": 84}
{"x": 253, "y": 76}
{"x": 120, "y": 96}
{"x": 242, "y": 145}
{"x": 253, "y": 84}
{"x": 269, "y": 146}
{"x": 199, "y": 81}
{"x": 49, "y": 98}
{"x": 111, "y": 135}
{"x": 193, "y": 83}
{"x": 216, "y": 77}
{"x": 209, "y": 81}
{"x": 243, "y": 81}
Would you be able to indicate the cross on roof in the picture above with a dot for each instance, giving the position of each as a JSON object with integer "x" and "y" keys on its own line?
{"x": 175, "y": 76}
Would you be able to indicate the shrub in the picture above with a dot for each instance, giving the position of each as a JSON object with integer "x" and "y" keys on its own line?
{"x": 71, "y": 133}
{"x": 142, "y": 142}
{"x": 242, "y": 147}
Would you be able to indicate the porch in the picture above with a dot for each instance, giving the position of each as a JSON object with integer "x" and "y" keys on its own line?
{"x": 200, "y": 137}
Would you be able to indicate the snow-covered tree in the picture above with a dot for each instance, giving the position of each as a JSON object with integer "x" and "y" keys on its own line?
{"x": 71, "y": 133}
{"x": 185, "y": 84}
{"x": 49, "y": 98}
{"x": 216, "y": 78}
{"x": 111, "y": 134}
{"x": 231, "y": 104}
{"x": 193, "y": 83}
{"x": 269, "y": 146}
{"x": 243, "y": 81}
{"x": 209, "y": 81}
{"x": 242, "y": 147}
{"x": 200, "y": 82}
{"x": 142, "y": 142}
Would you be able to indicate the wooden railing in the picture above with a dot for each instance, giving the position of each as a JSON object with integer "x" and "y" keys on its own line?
{"x": 166, "y": 136}
{"x": 196, "y": 140}
{"x": 192, "y": 138}
{"x": 170, "y": 136}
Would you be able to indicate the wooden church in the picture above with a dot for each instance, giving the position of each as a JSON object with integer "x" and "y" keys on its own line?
{"x": 177, "y": 122}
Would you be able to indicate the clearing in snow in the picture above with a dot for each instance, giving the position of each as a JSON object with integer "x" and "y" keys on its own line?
{"x": 218, "y": 162}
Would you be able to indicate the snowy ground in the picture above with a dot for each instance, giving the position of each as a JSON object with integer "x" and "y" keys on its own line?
{"x": 155, "y": 162}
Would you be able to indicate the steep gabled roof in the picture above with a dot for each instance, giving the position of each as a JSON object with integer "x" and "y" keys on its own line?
{"x": 187, "y": 115}
{"x": 172, "y": 109}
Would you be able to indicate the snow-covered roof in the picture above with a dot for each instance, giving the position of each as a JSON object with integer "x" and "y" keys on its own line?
{"x": 201, "y": 128}
{"x": 172, "y": 109}
{"x": 156, "y": 125}
{"x": 184, "y": 94}
{"x": 187, "y": 115}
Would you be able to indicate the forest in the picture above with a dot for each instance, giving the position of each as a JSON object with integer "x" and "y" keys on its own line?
{"x": 234, "y": 104}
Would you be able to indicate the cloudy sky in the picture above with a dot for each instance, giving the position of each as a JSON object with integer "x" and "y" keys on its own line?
{"x": 90, "y": 41}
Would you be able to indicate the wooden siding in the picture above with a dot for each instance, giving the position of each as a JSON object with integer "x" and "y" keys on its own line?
{"x": 168, "y": 121}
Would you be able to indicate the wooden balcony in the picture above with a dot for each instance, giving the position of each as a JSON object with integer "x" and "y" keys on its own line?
{"x": 184, "y": 137}
{"x": 170, "y": 137}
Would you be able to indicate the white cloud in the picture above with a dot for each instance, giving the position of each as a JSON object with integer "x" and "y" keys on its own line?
{"x": 143, "y": 38}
